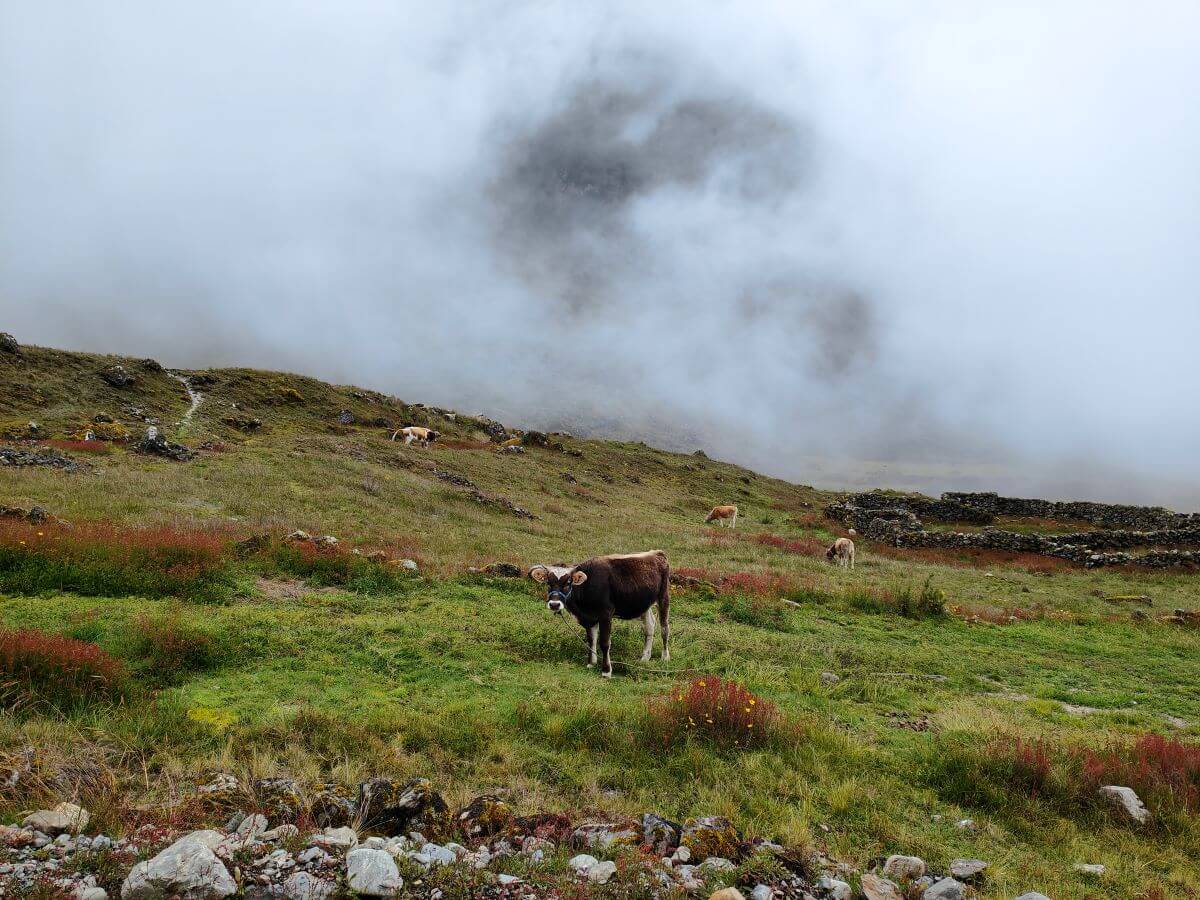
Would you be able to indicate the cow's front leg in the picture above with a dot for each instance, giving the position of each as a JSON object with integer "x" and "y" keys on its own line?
{"x": 648, "y": 625}
{"x": 590, "y": 637}
{"x": 605, "y": 629}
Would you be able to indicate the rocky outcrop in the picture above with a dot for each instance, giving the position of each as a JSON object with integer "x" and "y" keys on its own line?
{"x": 117, "y": 376}
{"x": 188, "y": 869}
{"x": 8, "y": 343}
{"x": 20, "y": 456}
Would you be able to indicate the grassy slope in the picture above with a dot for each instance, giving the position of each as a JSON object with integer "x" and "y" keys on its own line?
{"x": 470, "y": 681}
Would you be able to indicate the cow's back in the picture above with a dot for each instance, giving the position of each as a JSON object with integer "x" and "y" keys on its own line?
{"x": 631, "y": 582}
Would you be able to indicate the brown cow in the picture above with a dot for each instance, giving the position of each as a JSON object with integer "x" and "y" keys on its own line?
{"x": 596, "y": 591}
{"x": 841, "y": 552}
{"x": 727, "y": 513}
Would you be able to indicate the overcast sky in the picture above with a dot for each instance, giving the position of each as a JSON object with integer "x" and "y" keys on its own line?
{"x": 952, "y": 240}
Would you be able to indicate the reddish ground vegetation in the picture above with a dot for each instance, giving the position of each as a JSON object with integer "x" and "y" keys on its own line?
{"x": 1164, "y": 772}
{"x": 805, "y": 546}
{"x": 758, "y": 584}
{"x": 977, "y": 558}
{"x": 723, "y": 712}
{"x": 98, "y": 448}
{"x": 57, "y": 669}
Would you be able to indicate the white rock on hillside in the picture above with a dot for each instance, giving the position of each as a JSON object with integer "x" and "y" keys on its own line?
{"x": 904, "y": 868}
{"x": 64, "y": 818}
{"x": 1033, "y": 895}
{"x": 372, "y": 873}
{"x": 1125, "y": 799}
{"x": 601, "y": 872}
{"x": 582, "y": 862}
{"x": 304, "y": 886}
{"x": 966, "y": 868}
{"x": 1090, "y": 869}
{"x": 187, "y": 869}
{"x": 835, "y": 888}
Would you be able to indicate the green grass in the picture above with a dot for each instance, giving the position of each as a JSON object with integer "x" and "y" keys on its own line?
{"x": 324, "y": 667}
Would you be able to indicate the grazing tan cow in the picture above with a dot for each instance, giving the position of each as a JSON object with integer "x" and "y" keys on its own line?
{"x": 423, "y": 436}
{"x": 726, "y": 513}
{"x": 841, "y": 552}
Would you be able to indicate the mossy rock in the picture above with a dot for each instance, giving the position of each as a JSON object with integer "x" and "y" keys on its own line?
{"x": 280, "y": 798}
{"x": 222, "y": 793}
{"x": 711, "y": 836}
{"x": 484, "y": 816}
{"x": 392, "y": 808}
{"x": 102, "y": 431}
{"x": 332, "y": 805}
{"x": 22, "y": 430}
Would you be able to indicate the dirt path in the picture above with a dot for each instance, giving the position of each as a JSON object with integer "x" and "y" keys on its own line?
{"x": 194, "y": 395}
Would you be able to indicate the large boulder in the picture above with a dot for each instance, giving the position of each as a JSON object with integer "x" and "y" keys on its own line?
{"x": 372, "y": 873}
{"x": 117, "y": 376}
{"x": 188, "y": 870}
{"x": 280, "y": 798}
{"x": 332, "y": 805}
{"x": 876, "y": 888}
{"x": 306, "y": 886}
{"x": 904, "y": 868}
{"x": 661, "y": 834}
{"x": 484, "y": 816}
{"x": 392, "y": 808}
{"x": 8, "y": 343}
{"x": 605, "y": 836}
{"x": 945, "y": 889}
{"x": 66, "y": 818}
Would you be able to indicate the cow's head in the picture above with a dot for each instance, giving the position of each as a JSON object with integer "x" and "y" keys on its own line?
{"x": 433, "y": 436}
{"x": 831, "y": 552}
{"x": 560, "y": 583}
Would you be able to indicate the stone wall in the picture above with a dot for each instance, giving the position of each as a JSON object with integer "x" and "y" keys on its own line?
{"x": 1106, "y": 515}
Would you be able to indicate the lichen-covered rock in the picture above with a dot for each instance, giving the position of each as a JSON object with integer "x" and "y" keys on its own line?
{"x": 222, "y": 793}
{"x": 711, "y": 836}
{"x": 154, "y": 444}
{"x": 605, "y": 835}
{"x": 280, "y": 797}
{"x": 306, "y": 886}
{"x": 964, "y": 869}
{"x": 1127, "y": 801}
{"x": 188, "y": 869}
{"x": 945, "y": 889}
{"x": 484, "y": 816}
{"x": 392, "y": 808}
{"x": 904, "y": 868}
{"x": 661, "y": 834}
{"x": 876, "y": 888}
{"x": 332, "y": 805}
{"x": 8, "y": 343}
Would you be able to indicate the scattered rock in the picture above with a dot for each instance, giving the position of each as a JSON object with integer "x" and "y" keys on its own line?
{"x": 299, "y": 536}
{"x": 601, "y": 872}
{"x": 830, "y": 678}
{"x": 661, "y": 834}
{"x": 764, "y": 892}
{"x": 345, "y": 417}
{"x": 946, "y": 889}
{"x": 1125, "y": 799}
{"x": 717, "y": 864}
{"x": 876, "y": 888}
{"x": 243, "y": 423}
{"x": 392, "y": 808}
{"x": 966, "y": 869}
{"x": 8, "y": 343}
{"x": 904, "y": 868}
{"x": 66, "y": 818}
{"x": 1094, "y": 869}
{"x": 117, "y": 376}
{"x": 604, "y": 836}
{"x": 305, "y": 886}
{"x": 343, "y": 838}
{"x": 408, "y": 564}
{"x": 17, "y": 457}
{"x": 372, "y": 873}
{"x": 727, "y": 894}
{"x": 332, "y": 805}
{"x": 252, "y": 828}
{"x": 154, "y": 444}
{"x": 834, "y": 888}
{"x": 187, "y": 869}
{"x": 582, "y": 862}
{"x": 484, "y": 816}
{"x": 1033, "y": 895}
{"x": 711, "y": 836}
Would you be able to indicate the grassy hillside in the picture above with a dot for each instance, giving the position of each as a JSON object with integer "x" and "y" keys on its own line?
{"x": 265, "y": 660}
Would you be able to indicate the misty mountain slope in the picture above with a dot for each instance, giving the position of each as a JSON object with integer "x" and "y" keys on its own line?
{"x": 327, "y": 666}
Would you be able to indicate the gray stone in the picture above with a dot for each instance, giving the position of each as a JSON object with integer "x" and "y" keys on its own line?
{"x": 876, "y": 888}
{"x": 305, "y": 886}
{"x": 603, "y": 836}
{"x": 835, "y": 888}
{"x": 717, "y": 864}
{"x": 372, "y": 873}
{"x": 582, "y": 862}
{"x": 946, "y": 889}
{"x": 8, "y": 343}
{"x": 1033, "y": 895}
{"x": 1094, "y": 869}
{"x": 904, "y": 868}
{"x": 91, "y": 892}
{"x": 966, "y": 868}
{"x": 343, "y": 838}
{"x": 252, "y": 827}
{"x": 187, "y": 869}
{"x": 409, "y": 564}
{"x": 1126, "y": 800}
{"x": 830, "y": 678}
{"x": 601, "y": 872}
{"x": 762, "y": 892}
{"x": 439, "y": 856}
{"x": 64, "y": 818}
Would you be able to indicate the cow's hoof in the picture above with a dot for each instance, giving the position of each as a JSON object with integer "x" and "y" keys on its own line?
{"x": 666, "y": 657}
{"x": 646, "y": 658}
{"x": 589, "y": 665}
{"x": 606, "y": 674}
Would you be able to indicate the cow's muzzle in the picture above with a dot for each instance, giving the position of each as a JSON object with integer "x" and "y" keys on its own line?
{"x": 555, "y": 606}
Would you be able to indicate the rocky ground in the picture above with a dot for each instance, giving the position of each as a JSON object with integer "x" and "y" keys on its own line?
{"x": 379, "y": 852}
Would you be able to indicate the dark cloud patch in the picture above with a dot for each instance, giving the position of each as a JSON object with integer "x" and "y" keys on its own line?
{"x": 568, "y": 185}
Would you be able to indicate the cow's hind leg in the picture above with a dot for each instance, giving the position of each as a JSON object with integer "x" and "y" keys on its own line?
{"x": 605, "y": 628}
{"x": 590, "y": 637}
{"x": 648, "y": 625}
{"x": 664, "y": 621}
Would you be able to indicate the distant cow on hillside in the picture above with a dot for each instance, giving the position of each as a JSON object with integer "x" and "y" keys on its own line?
{"x": 423, "y": 436}
{"x": 596, "y": 591}
{"x": 726, "y": 513}
{"x": 841, "y": 552}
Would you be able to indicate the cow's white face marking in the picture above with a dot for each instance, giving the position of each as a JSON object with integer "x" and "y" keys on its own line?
{"x": 560, "y": 582}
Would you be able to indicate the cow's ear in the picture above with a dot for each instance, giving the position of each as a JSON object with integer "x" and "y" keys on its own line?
{"x": 538, "y": 573}
{"x": 578, "y": 578}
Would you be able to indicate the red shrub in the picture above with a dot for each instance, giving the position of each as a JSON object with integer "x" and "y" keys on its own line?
{"x": 710, "y": 708}
{"x": 1163, "y": 771}
{"x": 1032, "y": 765}
{"x": 806, "y": 546}
{"x": 58, "y": 669}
